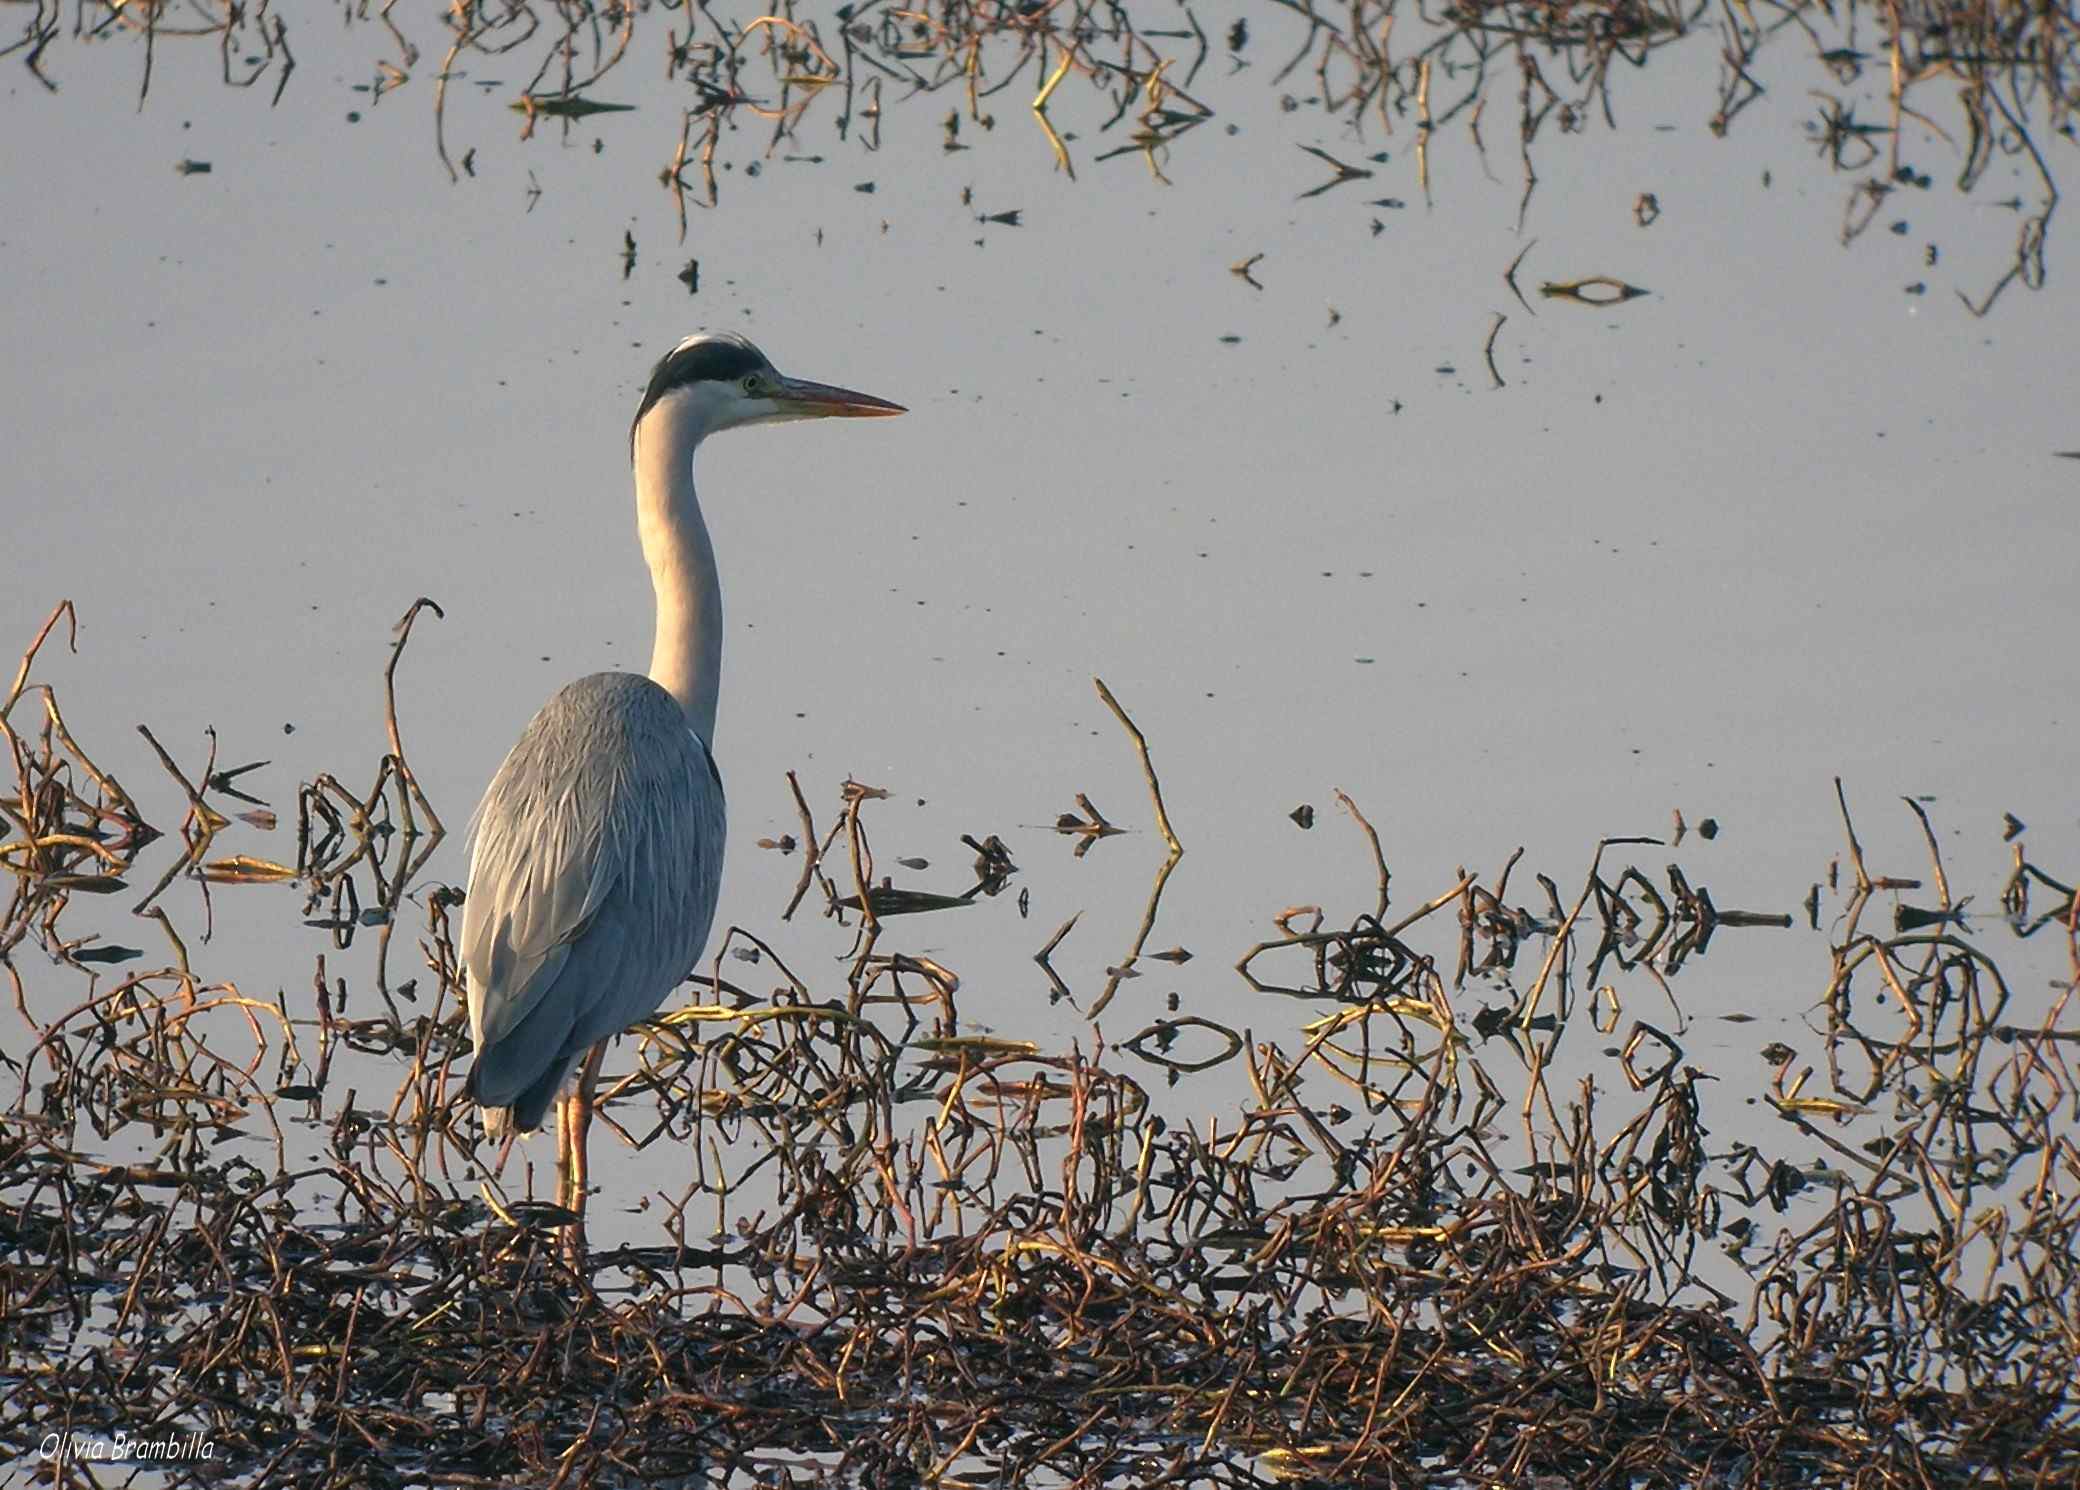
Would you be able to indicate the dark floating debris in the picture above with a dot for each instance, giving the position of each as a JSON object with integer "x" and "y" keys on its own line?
{"x": 1091, "y": 824}
{"x": 565, "y": 106}
{"x": 1303, "y": 815}
{"x": 887, "y": 900}
{"x": 1907, "y": 918}
{"x": 105, "y": 956}
{"x": 1606, "y": 291}
{"x": 993, "y": 866}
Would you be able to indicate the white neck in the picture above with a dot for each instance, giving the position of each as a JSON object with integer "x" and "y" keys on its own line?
{"x": 686, "y": 660}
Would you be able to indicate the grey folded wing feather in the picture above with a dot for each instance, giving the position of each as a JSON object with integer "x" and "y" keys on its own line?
{"x": 593, "y": 879}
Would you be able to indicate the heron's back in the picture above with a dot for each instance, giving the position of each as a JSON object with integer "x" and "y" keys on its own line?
{"x": 593, "y": 878}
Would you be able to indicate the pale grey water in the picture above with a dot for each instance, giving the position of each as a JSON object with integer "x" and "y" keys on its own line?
{"x": 1778, "y": 521}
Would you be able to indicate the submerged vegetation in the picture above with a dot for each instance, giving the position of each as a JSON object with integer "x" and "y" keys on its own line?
{"x": 1412, "y": 1229}
{"x": 1974, "y": 84}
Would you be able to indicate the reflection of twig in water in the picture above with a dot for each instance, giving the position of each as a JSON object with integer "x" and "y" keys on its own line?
{"x": 1344, "y": 172}
{"x": 1509, "y": 276}
{"x": 1528, "y": 1007}
{"x": 53, "y": 841}
{"x": 1164, "y": 1032}
{"x": 1155, "y": 896}
{"x": 405, "y": 775}
{"x": 199, "y": 827}
{"x": 1423, "y": 128}
{"x": 812, "y": 852}
{"x": 1043, "y": 956}
{"x": 1488, "y": 348}
{"x": 2029, "y": 244}
{"x": 1054, "y": 141}
{"x": 356, "y": 829}
{"x": 1379, "y": 858}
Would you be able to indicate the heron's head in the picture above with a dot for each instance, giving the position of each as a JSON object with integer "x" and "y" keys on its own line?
{"x": 718, "y": 380}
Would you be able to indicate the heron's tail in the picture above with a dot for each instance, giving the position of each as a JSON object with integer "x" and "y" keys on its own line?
{"x": 498, "y": 1121}
{"x": 522, "y": 1113}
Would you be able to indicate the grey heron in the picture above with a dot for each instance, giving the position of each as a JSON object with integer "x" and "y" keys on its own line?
{"x": 597, "y": 850}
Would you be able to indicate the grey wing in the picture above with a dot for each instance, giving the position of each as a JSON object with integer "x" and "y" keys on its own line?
{"x": 593, "y": 880}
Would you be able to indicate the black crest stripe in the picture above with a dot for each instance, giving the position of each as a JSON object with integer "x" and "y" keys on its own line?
{"x": 702, "y": 359}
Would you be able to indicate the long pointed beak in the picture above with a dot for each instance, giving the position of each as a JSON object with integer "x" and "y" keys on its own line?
{"x": 806, "y": 400}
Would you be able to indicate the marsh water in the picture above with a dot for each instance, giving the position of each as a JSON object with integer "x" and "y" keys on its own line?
{"x": 1282, "y": 408}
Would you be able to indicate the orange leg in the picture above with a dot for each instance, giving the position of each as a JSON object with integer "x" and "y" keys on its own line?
{"x": 573, "y": 1127}
{"x": 563, "y": 1150}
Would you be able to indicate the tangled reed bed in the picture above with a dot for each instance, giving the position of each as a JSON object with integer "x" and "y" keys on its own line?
{"x": 1382, "y": 1249}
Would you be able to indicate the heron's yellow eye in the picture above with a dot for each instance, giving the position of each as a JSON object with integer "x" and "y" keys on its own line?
{"x": 751, "y": 383}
